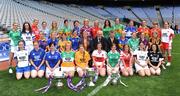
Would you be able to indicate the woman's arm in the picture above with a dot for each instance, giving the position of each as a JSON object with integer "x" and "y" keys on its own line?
{"x": 47, "y": 64}
{"x": 58, "y": 63}
{"x": 32, "y": 63}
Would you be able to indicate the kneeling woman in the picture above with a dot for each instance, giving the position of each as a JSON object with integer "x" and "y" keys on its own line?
{"x": 99, "y": 57}
{"x": 52, "y": 60}
{"x": 127, "y": 61}
{"x": 68, "y": 65}
{"x": 23, "y": 66}
{"x": 37, "y": 61}
{"x": 141, "y": 61}
{"x": 82, "y": 58}
{"x": 113, "y": 60}
{"x": 155, "y": 60}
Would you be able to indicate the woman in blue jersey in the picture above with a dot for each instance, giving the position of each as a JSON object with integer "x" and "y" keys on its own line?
{"x": 75, "y": 40}
{"x": 22, "y": 66}
{"x": 37, "y": 61}
{"x": 52, "y": 60}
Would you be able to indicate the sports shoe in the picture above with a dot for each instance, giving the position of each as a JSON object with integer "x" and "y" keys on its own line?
{"x": 168, "y": 64}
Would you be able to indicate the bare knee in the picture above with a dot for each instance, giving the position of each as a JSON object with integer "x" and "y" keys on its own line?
{"x": 141, "y": 73}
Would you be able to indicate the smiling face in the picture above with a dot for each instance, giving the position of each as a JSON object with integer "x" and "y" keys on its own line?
{"x": 166, "y": 25}
{"x": 52, "y": 47}
{"x": 99, "y": 46}
{"x": 27, "y": 26}
{"x": 21, "y": 45}
{"x": 15, "y": 26}
{"x": 68, "y": 46}
{"x": 141, "y": 46}
{"x": 154, "y": 48}
{"x": 86, "y": 22}
{"x": 36, "y": 45}
{"x": 117, "y": 21}
{"x": 113, "y": 48}
{"x": 126, "y": 48}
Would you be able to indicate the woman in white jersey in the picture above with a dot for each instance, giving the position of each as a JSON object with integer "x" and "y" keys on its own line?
{"x": 27, "y": 36}
{"x": 141, "y": 61}
{"x": 167, "y": 34}
{"x": 99, "y": 57}
{"x": 23, "y": 66}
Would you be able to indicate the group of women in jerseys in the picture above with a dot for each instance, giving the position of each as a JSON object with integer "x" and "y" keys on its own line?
{"x": 113, "y": 49}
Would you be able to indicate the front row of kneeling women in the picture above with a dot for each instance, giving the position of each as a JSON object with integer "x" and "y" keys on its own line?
{"x": 38, "y": 62}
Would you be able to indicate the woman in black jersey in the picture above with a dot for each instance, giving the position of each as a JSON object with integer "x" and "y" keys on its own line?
{"x": 155, "y": 60}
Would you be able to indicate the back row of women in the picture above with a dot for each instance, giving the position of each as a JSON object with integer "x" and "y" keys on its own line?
{"x": 119, "y": 48}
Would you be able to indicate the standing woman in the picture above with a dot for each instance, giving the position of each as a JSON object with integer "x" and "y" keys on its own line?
{"x": 36, "y": 59}
{"x": 167, "y": 35}
{"x": 66, "y": 29}
{"x": 141, "y": 61}
{"x": 155, "y": 60}
{"x": 75, "y": 40}
{"x": 23, "y": 67}
{"x": 133, "y": 42}
{"x": 127, "y": 61}
{"x": 99, "y": 57}
{"x": 68, "y": 56}
{"x": 15, "y": 37}
{"x": 27, "y": 36}
{"x": 113, "y": 60}
{"x": 54, "y": 28}
{"x": 107, "y": 28}
{"x": 35, "y": 29}
{"x": 82, "y": 58}
{"x": 85, "y": 41}
{"x": 52, "y": 60}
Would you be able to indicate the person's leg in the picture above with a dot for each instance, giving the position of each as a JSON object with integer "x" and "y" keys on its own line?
{"x": 158, "y": 71}
{"x": 11, "y": 56}
{"x": 130, "y": 71}
{"x": 71, "y": 73}
{"x": 147, "y": 72}
{"x": 124, "y": 72}
{"x": 48, "y": 72}
{"x": 19, "y": 75}
{"x": 153, "y": 72}
{"x": 40, "y": 73}
{"x": 169, "y": 57}
{"x": 34, "y": 73}
{"x": 80, "y": 72}
{"x": 141, "y": 73}
{"x": 103, "y": 71}
{"x": 27, "y": 74}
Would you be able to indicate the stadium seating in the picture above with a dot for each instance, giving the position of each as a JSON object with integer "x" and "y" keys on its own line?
{"x": 25, "y": 10}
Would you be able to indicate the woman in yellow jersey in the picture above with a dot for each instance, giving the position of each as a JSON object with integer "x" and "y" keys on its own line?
{"x": 62, "y": 42}
{"x": 68, "y": 65}
{"x": 82, "y": 58}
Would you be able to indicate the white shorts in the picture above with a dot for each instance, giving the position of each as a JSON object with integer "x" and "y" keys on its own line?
{"x": 109, "y": 69}
{"x": 56, "y": 72}
{"x": 138, "y": 67}
{"x": 80, "y": 69}
{"x": 67, "y": 69}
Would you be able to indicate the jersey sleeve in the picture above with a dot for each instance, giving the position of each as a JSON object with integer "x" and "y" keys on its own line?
{"x": 46, "y": 56}
{"x": 30, "y": 55}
